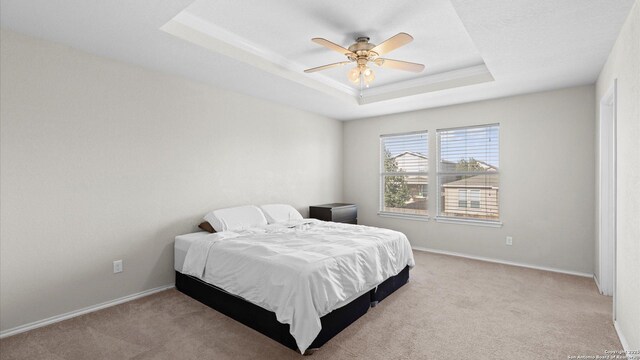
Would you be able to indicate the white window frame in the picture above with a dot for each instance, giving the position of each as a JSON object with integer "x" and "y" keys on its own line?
{"x": 440, "y": 174}
{"x": 382, "y": 174}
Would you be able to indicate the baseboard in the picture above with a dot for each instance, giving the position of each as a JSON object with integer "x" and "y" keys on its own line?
{"x": 595, "y": 278}
{"x": 623, "y": 340}
{"x": 505, "y": 262}
{"x": 86, "y": 310}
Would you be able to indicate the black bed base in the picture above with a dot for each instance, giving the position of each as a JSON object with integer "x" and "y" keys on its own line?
{"x": 265, "y": 321}
{"x": 389, "y": 286}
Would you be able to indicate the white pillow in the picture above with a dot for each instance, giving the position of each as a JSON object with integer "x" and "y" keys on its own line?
{"x": 276, "y": 213}
{"x": 236, "y": 218}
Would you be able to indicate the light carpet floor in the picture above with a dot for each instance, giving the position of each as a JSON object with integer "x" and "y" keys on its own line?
{"x": 452, "y": 308}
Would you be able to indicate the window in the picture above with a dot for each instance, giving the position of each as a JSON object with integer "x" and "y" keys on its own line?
{"x": 468, "y": 177}
{"x": 469, "y": 198}
{"x": 474, "y": 198}
{"x": 404, "y": 177}
{"x": 462, "y": 198}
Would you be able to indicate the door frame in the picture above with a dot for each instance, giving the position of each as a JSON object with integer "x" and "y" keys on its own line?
{"x": 607, "y": 156}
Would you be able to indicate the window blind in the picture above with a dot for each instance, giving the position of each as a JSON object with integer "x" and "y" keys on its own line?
{"x": 404, "y": 167}
{"x": 468, "y": 176}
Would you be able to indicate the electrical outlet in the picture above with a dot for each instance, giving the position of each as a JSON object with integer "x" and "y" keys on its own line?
{"x": 509, "y": 241}
{"x": 117, "y": 266}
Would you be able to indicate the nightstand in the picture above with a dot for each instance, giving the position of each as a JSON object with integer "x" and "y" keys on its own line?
{"x": 336, "y": 212}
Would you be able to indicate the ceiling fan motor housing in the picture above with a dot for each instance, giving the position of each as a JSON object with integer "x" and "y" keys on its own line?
{"x": 362, "y": 49}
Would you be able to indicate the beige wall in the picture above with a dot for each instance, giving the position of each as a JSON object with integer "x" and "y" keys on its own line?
{"x": 624, "y": 64}
{"x": 102, "y": 161}
{"x": 546, "y": 177}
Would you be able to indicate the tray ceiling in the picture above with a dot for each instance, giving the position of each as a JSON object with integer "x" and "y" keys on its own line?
{"x": 441, "y": 42}
{"x": 472, "y": 49}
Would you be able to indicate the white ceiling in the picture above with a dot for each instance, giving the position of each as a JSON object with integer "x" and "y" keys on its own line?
{"x": 440, "y": 38}
{"x": 472, "y": 49}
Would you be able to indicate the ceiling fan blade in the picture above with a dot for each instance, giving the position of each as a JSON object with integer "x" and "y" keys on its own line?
{"x": 393, "y": 43}
{"x": 328, "y": 66}
{"x": 331, "y": 46}
{"x": 399, "y": 65}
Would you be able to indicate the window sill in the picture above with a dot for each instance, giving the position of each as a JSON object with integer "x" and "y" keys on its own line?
{"x": 487, "y": 223}
{"x": 403, "y": 216}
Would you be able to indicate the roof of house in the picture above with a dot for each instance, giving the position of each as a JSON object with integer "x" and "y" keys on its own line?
{"x": 410, "y": 153}
{"x": 490, "y": 180}
{"x": 416, "y": 180}
{"x": 486, "y": 165}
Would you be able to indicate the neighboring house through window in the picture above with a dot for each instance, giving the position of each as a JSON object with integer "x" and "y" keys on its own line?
{"x": 404, "y": 167}
{"x": 468, "y": 177}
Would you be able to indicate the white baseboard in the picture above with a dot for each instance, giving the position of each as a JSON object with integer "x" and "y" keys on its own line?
{"x": 623, "y": 340}
{"x": 595, "y": 278}
{"x": 505, "y": 262}
{"x": 86, "y": 310}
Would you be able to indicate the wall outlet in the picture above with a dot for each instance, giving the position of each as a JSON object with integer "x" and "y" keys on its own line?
{"x": 509, "y": 241}
{"x": 117, "y": 266}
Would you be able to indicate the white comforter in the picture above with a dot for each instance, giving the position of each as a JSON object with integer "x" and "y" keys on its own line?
{"x": 300, "y": 270}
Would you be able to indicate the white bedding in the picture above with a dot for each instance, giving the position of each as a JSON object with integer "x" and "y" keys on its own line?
{"x": 300, "y": 271}
{"x": 182, "y": 245}
{"x": 236, "y": 218}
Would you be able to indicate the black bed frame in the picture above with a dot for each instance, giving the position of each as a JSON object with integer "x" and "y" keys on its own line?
{"x": 265, "y": 321}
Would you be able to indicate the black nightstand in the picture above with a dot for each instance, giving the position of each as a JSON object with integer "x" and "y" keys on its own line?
{"x": 336, "y": 212}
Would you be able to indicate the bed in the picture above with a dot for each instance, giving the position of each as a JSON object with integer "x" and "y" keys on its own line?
{"x": 298, "y": 282}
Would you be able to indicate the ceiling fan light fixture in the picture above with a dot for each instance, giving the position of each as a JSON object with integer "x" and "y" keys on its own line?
{"x": 354, "y": 75}
{"x": 363, "y": 73}
{"x": 369, "y": 76}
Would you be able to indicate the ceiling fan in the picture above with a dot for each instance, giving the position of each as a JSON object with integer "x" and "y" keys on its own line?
{"x": 362, "y": 52}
